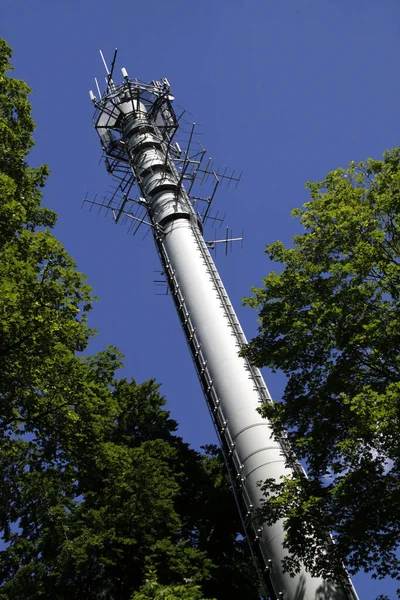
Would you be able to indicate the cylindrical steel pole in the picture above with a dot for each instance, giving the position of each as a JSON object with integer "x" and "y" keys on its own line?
{"x": 232, "y": 387}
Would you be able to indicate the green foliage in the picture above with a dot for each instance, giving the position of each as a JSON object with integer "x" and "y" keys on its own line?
{"x": 330, "y": 320}
{"x": 152, "y": 590}
{"x": 20, "y": 206}
{"x": 97, "y": 490}
{"x": 210, "y": 521}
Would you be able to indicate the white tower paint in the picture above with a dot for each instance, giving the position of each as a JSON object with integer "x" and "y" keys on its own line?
{"x": 134, "y": 121}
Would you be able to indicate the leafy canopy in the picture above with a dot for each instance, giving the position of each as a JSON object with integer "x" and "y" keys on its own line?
{"x": 97, "y": 490}
{"x": 152, "y": 590}
{"x": 330, "y": 320}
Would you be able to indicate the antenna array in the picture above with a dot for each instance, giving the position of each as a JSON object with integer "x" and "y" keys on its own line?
{"x": 199, "y": 175}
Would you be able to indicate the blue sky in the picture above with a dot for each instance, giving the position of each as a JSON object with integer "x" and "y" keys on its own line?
{"x": 285, "y": 91}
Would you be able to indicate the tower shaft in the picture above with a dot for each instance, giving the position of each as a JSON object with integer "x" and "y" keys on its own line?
{"x": 233, "y": 388}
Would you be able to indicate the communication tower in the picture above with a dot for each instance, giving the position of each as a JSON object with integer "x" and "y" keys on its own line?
{"x": 137, "y": 127}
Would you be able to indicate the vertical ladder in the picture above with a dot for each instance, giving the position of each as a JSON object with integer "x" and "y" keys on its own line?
{"x": 252, "y": 525}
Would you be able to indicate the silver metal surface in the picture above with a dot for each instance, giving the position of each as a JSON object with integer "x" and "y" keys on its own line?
{"x": 136, "y": 125}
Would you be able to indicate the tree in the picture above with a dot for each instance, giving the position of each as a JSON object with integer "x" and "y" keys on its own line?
{"x": 330, "y": 320}
{"x": 97, "y": 489}
{"x": 152, "y": 590}
{"x": 211, "y": 522}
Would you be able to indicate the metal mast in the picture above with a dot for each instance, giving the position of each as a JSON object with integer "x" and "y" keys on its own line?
{"x": 136, "y": 125}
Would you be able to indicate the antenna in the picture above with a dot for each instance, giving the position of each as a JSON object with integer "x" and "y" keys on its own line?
{"x": 109, "y": 78}
{"x": 98, "y": 87}
{"x": 104, "y": 62}
{"x": 212, "y": 244}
